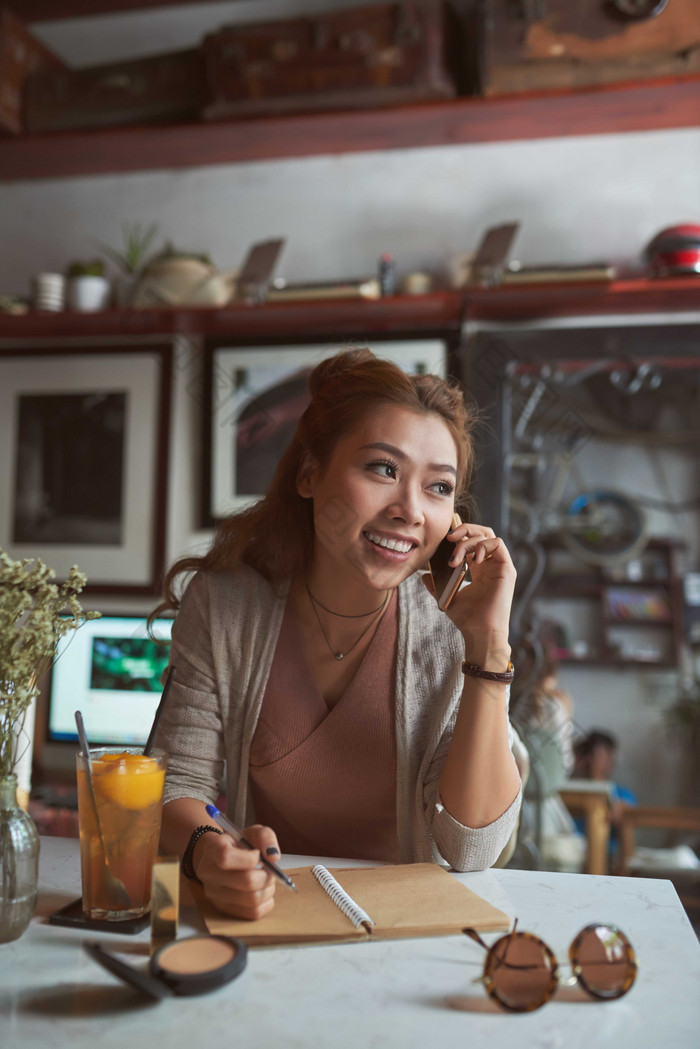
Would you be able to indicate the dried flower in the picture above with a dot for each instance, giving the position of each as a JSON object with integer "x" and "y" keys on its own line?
{"x": 34, "y": 614}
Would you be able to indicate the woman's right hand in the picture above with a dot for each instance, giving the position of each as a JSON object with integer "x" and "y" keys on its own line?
{"x": 230, "y": 875}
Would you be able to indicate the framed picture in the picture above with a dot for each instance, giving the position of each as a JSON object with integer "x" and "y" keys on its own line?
{"x": 254, "y": 398}
{"x": 84, "y": 435}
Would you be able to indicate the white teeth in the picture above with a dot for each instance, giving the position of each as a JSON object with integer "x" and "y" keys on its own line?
{"x": 401, "y": 546}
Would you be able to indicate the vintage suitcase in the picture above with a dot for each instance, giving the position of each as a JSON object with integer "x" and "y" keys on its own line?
{"x": 141, "y": 91}
{"x": 353, "y": 58}
{"x": 530, "y": 45}
{"x": 20, "y": 55}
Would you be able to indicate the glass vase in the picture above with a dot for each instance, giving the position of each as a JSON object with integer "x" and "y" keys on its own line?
{"x": 19, "y": 863}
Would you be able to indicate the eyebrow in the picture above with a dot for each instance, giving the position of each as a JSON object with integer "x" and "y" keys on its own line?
{"x": 393, "y": 450}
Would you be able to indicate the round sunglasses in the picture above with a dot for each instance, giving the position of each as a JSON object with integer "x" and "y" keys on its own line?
{"x": 521, "y": 973}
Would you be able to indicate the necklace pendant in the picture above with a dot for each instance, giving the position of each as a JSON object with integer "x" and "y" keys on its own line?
{"x": 338, "y": 656}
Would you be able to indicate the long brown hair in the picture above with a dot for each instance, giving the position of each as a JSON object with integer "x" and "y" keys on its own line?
{"x": 276, "y": 535}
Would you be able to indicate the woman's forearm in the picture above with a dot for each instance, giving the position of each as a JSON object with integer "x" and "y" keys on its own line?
{"x": 228, "y": 871}
{"x": 180, "y": 818}
{"x": 480, "y": 778}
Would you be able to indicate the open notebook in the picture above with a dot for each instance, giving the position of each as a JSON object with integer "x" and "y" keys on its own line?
{"x": 359, "y": 903}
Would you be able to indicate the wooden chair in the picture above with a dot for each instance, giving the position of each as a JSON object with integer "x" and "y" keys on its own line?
{"x": 673, "y": 819}
{"x": 591, "y": 799}
{"x": 546, "y": 840}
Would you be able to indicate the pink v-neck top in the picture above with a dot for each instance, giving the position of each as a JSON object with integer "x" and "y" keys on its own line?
{"x": 325, "y": 779}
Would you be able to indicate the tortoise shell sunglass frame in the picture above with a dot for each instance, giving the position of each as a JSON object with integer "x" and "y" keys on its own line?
{"x": 521, "y": 973}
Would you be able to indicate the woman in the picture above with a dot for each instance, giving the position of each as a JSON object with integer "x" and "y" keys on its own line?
{"x": 313, "y": 659}
{"x": 549, "y": 711}
{"x": 544, "y": 721}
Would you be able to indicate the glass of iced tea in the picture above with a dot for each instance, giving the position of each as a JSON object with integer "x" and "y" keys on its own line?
{"x": 118, "y": 846}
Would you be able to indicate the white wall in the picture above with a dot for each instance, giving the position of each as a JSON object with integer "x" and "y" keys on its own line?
{"x": 578, "y": 199}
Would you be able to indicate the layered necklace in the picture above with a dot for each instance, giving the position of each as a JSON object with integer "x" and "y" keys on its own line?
{"x": 376, "y": 612}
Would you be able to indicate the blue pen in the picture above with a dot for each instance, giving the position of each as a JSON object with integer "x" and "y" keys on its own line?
{"x": 237, "y": 836}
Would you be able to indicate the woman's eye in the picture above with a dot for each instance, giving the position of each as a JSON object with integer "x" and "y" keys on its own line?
{"x": 384, "y": 468}
{"x": 443, "y": 488}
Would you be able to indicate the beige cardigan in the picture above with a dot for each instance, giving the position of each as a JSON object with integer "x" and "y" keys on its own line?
{"x": 224, "y": 639}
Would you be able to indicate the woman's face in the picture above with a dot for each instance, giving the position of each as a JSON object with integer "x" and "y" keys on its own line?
{"x": 385, "y": 499}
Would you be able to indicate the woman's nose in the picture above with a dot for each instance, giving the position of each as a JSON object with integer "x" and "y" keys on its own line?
{"x": 407, "y": 506}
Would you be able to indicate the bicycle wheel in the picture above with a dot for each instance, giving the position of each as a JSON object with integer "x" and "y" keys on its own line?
{"x": 604, "y": 528}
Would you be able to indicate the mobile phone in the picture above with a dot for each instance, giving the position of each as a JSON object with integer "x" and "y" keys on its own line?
{"x": 446, "y": 578}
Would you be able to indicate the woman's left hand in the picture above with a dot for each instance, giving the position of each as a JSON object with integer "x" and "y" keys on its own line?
{"x": 481, "y": 610}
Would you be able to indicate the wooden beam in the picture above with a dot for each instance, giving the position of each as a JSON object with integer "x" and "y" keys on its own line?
{"x": 639, "y": 106}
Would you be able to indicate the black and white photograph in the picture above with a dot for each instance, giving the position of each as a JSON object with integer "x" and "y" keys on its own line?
{"x": 69, "y": 468}
{"x": 83, "y": 462}
{"x": 258, "y": 395}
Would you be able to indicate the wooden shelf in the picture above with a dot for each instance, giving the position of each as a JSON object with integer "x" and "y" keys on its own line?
{"x": 440, "y": 314}
{"x": 648, "y": 105}
{"x": 587, "y": 586}
{"x": 575, "y": 591}
{"x": 630, "y": 295}
{"x": 609, "y": 621}
{"x": 579, "y": 587}
{"x": 611, "y": 661}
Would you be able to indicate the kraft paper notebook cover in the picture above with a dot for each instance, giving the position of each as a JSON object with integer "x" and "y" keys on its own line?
{"x": 407, "y": 900}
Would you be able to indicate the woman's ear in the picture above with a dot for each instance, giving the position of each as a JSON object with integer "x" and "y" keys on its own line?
{"x": 306, "y": 477}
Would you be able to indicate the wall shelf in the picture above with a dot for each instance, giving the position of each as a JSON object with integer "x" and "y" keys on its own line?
{"x": 597, "y": 586}
{"x": 441, "y": 313}
{"x": 419, "y": 314}
{"x": 611, "y": 661}
{"x": 633, "y": 296}
{"x": 608, "y": 621}
{"x": 648, "y": 105}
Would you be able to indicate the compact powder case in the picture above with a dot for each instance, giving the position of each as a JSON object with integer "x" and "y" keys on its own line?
{"x": 193, "y": 965}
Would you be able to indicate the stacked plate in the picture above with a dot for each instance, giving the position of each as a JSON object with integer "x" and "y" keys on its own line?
{"x": 49, "y": 292}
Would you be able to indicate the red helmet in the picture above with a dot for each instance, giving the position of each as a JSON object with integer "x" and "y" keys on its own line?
{"x": 674, "y": 251}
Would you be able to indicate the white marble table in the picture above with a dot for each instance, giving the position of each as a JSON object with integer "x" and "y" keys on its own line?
{"x": 409, "y": 993}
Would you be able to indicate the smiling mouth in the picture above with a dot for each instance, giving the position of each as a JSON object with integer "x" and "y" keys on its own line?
{"x": 400, "y": 546}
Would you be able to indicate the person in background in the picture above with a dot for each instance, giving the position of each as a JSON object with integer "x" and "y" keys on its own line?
{"x": 543, "y": 719}
{"x": 548, "y": 709}
{"x": 594, "y": 758}
{"x": 352, "y": 716}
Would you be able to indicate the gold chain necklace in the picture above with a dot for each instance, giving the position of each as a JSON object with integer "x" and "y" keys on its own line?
{"x": 343, "y": 615}
{"x": 341, "y": 655}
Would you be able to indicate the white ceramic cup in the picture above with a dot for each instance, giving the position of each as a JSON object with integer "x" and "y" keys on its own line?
{"x": 417, "y": 284}
{"x": 49, "y": 292}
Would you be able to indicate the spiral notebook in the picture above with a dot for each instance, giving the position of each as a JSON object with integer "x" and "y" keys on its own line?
{"x": 359, "y": 903}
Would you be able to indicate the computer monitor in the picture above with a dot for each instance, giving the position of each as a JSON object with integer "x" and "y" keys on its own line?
{"x": 110, "y": 670}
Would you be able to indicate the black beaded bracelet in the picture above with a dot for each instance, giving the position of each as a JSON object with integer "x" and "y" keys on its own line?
{"x": 472, "y": 670}
{"x": 186, "y": 865}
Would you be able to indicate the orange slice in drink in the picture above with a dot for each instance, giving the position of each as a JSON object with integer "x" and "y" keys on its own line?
{"x": 130, "y": 780}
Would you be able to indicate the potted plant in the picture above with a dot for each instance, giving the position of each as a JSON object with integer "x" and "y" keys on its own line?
{"x": 88, "y": 289}
{"x": 683, "y": 719}
{"x": 132, "y": 259}
{"x": 34, "y": 613}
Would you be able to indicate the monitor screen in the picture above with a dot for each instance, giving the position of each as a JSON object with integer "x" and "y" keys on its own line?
{"x": 110, "y": 670}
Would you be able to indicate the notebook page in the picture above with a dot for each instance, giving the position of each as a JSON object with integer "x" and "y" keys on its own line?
{"x": 418, "y": 899}
{"x": 308, "y": 915}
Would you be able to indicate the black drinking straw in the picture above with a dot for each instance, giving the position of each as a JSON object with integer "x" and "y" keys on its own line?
{"x": 159, "y": 711}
